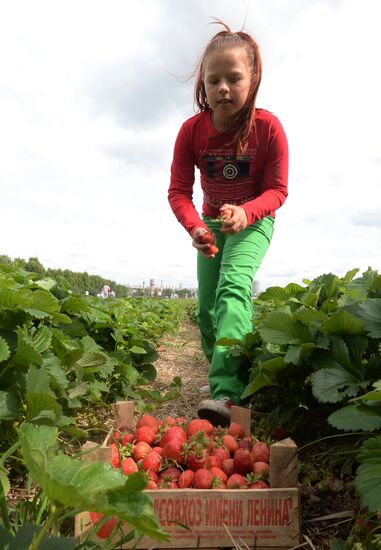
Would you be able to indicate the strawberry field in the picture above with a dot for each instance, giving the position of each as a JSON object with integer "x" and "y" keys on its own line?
{"x": 314, "y": 360}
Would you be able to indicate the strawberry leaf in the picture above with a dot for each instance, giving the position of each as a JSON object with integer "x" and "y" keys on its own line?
{"x": 96, "y": 486}
{"x": 370, "y": 313}
{"x": 332, "y": 385}
{"x": 368, "y": 475}
{"x": 4, "y": 350}
{"x": 356, "y": 417}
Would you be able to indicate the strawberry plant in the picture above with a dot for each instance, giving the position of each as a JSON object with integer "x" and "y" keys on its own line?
{"x": 317, "y": 349}
{"x": 70, "y": 486}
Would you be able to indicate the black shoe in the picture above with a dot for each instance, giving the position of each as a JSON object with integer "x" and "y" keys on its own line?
{"x": 217, "y": 411}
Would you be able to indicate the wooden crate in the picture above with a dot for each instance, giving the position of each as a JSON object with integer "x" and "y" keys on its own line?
{"x": 263, "y": 519}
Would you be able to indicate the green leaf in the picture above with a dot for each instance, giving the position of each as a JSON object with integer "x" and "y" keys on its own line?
{"x": 9, "y": 406}
{"x": 43, "y": 301}
{"x": 95, "y": 487}
{"x": 57, "y": 374}
{"x": 37, "y": 381}
{"x": 43, "y": 408}
{"x": 138, "y": 350}
{"x": 4, "y": 482}
{"x": 370, "y": 313}
{"x": 42, "y": 339}
{"x": 343, "y": 322}
{"x": 311, "y": 317}
{"x": 280, "y": 328}
{"x": 265, "y": 375}
{"x": 4, "y": 350}
{"x": 26, "y": 354}
{"x": 75, "y": 304}
{"x": 92, "y": 360}
{"x": 333, "y": 385}
{"x": 36, "y": 313}
{"x": 368, "y": 474}
{"x": 356, "y": 417}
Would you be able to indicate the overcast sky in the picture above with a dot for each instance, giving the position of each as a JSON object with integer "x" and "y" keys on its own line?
{"x": 92, "y": 95}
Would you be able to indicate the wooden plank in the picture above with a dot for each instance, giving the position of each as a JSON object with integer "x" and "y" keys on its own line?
{"x": 263, "y": 519}
{"x": 124, "y": 414}
{"x": 92, "y": 452}
{"x": 284, "y": 464}
{"x": 242, "y": 415}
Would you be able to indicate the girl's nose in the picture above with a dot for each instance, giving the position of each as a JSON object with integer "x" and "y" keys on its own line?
{"x": 223, "y": 89}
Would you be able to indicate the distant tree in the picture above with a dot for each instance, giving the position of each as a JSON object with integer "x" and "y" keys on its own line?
{"x": 4, "y": 259}
{"x": 34, "y": 265}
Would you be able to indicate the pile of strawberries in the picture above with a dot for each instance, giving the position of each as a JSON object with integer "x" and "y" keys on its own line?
{"x": 177, "y": 453}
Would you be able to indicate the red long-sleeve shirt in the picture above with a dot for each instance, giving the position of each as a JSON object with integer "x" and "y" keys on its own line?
{"x": 257, "y": 180}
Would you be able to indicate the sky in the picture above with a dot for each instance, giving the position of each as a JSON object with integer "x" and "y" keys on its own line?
{"x": 92, "y": 96}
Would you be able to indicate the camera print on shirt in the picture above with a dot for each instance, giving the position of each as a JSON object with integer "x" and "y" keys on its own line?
{"x": 227, "y": 178}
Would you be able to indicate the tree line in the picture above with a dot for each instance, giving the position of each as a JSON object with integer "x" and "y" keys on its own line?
{"x": 78, "y": 282}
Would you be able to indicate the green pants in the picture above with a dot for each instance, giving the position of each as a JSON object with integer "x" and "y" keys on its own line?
{"x": 225, "y": 303}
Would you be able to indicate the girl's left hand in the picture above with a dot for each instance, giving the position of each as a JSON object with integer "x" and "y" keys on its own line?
{"x": 236, "y": 219}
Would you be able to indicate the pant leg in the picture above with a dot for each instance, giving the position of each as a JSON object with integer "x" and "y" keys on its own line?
{"x": 241, "y": 256}
{"x": 208, "y": 272}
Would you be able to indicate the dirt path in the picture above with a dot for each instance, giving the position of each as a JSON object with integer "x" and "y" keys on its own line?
{"x": 181, "y": 355}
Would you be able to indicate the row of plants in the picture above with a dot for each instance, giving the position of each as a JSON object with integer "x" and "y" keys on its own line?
{"x": 62, "y": 354}
{"x": 315, "y": 351}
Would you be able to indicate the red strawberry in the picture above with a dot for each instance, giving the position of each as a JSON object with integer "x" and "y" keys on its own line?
{"x": 203, "y": 479}
{"x": 152, "y": 475}
{"x": 140, "y": 450}
{"x": 221, "y": 452}
{"x": 260, "y": 452}
{"x": 127, "y": 439}
{"x": 148, "y": 420}
{"x": 212, "y": 461}
{"x": 244, "y": 443}
{"x": 236, "y": 481}
{"x": 152, "y": 461}
{"x": 115, "y": 459}
{"x": 260, "y": 484}
{"x": 261, "y": 469}
{"x": 230, "y": 443}
{"x": 212, "y": 250}
{"x": 196, "y": 459}
{"x": 174, "y": 450}
{"x": 243, "y": 463}
{"x": 228, "y": 467}
{"x": 158, "y": 450}
{"x": 207, "y": 238}
{"x": 106, "y": 529}
{"x": 129, "y": 466}
{"x": 226, "y": 213}
{"x": 152, "y": 485}
{"x": 186, "y": 479}
{"x": 219, "y": 474}
{"x": 115, "y": 436}
{"x": 146, "y": 434}
{"x": 172, "y": 473}
{"x": 198, "y": 425}
{"x": 175, "y": 432}
{"x": 236, "y": 430}
{"x": 168, "y": 484}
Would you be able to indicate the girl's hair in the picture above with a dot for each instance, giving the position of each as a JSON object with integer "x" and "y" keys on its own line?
{"x": 244, "y": 119}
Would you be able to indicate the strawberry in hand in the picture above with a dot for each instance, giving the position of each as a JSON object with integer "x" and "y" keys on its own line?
{"x": 205, "y": 241}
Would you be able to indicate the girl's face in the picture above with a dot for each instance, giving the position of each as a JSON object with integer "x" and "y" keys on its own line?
{"x": 227, "y": 79}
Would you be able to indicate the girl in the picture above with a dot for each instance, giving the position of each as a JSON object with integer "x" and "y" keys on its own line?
{"x": 242, "y": 155}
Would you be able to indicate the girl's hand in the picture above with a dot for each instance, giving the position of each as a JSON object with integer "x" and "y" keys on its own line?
{"x": 201, "y": 247}
{"x": 235, "y": 219}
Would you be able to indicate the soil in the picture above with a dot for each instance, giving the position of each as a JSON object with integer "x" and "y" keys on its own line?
{"x": 328, "y": 501}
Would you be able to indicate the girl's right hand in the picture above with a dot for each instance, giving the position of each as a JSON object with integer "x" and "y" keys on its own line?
{"x": 203, "y": 248}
